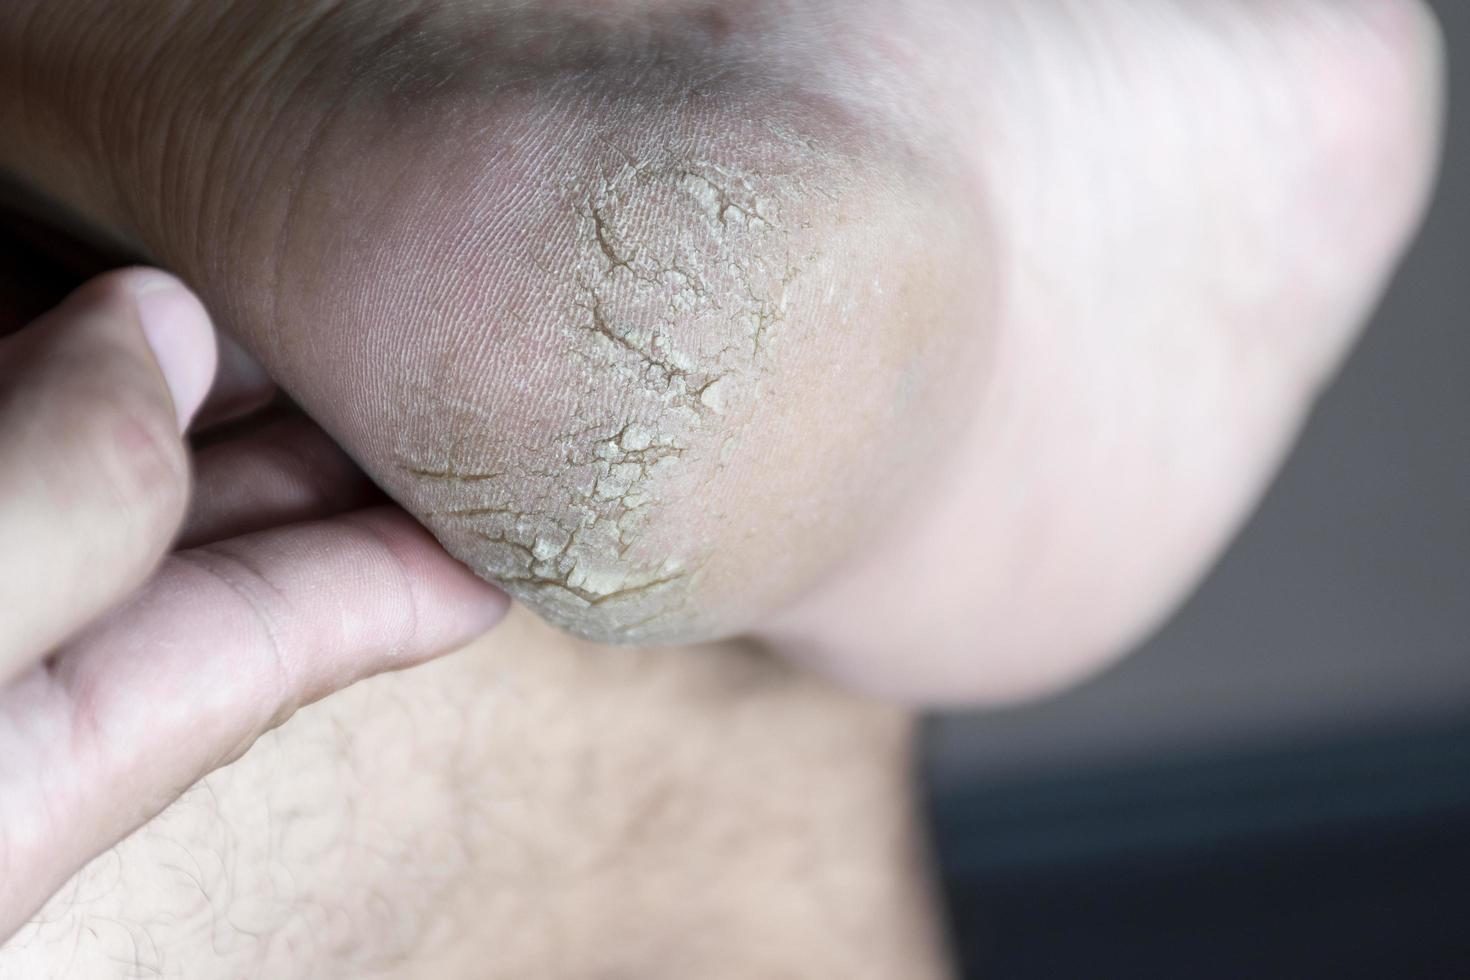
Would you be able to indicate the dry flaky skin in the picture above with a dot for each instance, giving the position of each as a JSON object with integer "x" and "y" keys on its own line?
{"x": 667, "y": 274}
{"x": 1059, "y": 281}
{"x": 645, "y": 319}
{"x": 645, "y": 316}
{"x": 607, "y": 330}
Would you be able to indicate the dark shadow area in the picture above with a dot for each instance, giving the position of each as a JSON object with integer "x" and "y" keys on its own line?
{"x": 1340, "y": 860}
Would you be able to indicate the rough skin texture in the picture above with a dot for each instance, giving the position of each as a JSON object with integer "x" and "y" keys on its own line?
{"x": 608, "y": 330}
{"x": 962, "y": 335}
{"x": 667, "y": 274}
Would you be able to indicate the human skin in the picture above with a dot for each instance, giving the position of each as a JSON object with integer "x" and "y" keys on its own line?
{"x": 986, "y": 447}
{"x": 148, "y": 637}
{"x": 776, "y": 830}
{"x": 529, "y": 807}
{"x": 463, "y": 821}
{"x": 512, "y": 258}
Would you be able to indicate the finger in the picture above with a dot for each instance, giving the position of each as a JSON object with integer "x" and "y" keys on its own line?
{"x": 225, "y": 643}
{"x": 93, "y": 473}
{"x": 287, "y": 472}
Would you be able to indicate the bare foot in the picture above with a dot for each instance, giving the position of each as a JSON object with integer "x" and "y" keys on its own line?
{"x": 940, "y": 344}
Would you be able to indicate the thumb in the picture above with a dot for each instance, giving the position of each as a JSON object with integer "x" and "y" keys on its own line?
{"x": 94, "y": 476}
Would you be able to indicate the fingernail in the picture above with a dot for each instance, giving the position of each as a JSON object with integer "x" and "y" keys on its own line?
{"x": 181, "y": 337}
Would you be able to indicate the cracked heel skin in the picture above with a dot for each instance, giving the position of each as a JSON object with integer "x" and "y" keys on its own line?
{"x": 663, "y": 367}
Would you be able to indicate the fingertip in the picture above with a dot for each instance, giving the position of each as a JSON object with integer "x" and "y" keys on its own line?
{"x": 465, "y": 607}
{"x": 179, "y": 333}
{"x": 454, "y": 605}
{"x": 489, "y": 607}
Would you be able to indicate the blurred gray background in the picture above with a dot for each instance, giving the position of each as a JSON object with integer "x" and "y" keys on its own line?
{"x": 1345, "y": 605}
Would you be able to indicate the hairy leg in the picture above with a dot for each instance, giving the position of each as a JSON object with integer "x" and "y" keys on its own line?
{"x": 529, "y": 808}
